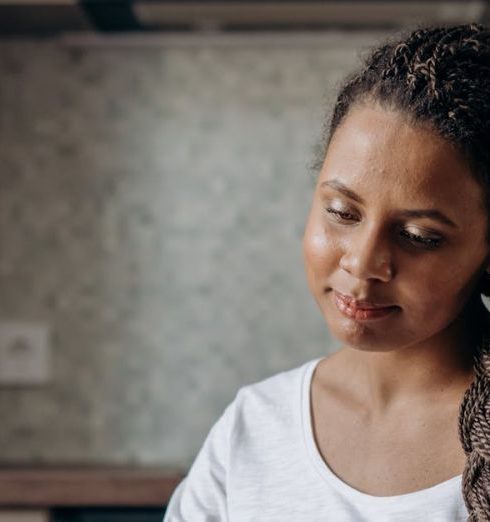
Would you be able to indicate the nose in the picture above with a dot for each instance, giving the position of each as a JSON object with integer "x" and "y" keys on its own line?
{"x": 367, "y": 256}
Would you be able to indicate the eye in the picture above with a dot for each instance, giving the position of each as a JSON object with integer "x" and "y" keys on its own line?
{"x": 339, "y": 215}
{"x": 427, "y": 242}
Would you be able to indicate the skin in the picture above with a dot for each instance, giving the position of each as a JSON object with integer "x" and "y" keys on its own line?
{"x": 416, "y": 360}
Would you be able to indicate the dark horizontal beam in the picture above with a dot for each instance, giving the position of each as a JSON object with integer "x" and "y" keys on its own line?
{"x": 111, "y": 15}
{"x": 58, "y": 16}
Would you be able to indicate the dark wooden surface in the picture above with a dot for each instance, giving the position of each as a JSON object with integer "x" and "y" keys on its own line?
{"x": 47, "y": 487}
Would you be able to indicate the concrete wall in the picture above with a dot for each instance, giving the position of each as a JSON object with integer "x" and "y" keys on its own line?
{"x": 152, "y": 204}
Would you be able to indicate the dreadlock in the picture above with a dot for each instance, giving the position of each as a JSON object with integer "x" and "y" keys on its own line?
{"x": 440, "y": 77}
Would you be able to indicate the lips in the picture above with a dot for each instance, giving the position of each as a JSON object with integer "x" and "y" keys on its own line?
{"x": 347, "y": 307}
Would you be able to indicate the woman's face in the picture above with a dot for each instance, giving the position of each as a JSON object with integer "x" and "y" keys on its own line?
{"x": 397, "y": 219}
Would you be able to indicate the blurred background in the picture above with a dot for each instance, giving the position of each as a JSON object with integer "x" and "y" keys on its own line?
{"x": 155, "y": 178}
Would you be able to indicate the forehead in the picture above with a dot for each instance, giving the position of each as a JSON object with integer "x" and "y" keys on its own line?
{"x": 380, "y": 155}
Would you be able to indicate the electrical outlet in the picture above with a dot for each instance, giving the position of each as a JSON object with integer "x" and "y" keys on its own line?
{"x": 25, "y": 353}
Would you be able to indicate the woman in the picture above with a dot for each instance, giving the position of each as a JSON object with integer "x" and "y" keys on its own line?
{"x": 394, "y": 425}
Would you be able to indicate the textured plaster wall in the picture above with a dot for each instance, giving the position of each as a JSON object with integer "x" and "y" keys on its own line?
{"x": 152, "y": 203}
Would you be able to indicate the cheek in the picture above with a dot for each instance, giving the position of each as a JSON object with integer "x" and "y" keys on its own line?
{"x": 320, "y": 251}
{"x": 437, "y": 294}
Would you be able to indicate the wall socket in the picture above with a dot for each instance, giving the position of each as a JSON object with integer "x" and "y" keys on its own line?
{"x": 25, "y": 353}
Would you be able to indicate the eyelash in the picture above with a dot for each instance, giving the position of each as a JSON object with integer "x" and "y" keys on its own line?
{"x": 429, "y": 243}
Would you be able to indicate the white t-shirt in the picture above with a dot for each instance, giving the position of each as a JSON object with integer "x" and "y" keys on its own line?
{"x": 260, "y": 463}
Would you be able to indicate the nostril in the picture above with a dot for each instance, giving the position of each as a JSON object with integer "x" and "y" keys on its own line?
{"x": 367, "y": 266}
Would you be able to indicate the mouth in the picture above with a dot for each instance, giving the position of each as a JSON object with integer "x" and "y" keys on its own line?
{"x": 362, "y": 310}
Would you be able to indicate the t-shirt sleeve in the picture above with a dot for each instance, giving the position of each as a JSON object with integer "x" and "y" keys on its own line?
{"x": 201, "y": 495}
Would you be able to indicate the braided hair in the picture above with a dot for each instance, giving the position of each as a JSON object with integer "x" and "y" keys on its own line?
{"x": 440, "y": 77}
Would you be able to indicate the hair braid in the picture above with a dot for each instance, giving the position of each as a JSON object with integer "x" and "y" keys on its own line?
{"x": 474, "y": 433}
{"x": 440, "y": 77}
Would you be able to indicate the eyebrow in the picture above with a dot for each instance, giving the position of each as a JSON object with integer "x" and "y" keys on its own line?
{"x": 416, "y": 213}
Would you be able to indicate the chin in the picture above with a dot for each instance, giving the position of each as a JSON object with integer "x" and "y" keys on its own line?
{"x": 361, "y": 337}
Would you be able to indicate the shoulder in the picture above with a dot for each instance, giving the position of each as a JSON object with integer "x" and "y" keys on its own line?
{"x": 272, "y": 400}
{"x": 273, "y": 390}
